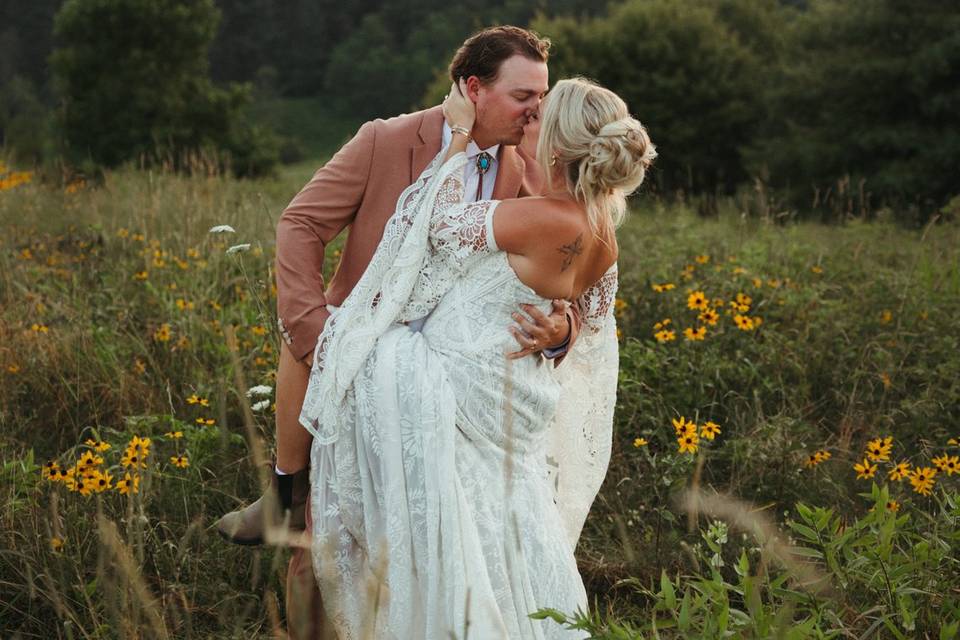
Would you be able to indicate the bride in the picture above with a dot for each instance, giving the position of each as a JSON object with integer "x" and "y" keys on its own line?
{"x": 450, "y": 483}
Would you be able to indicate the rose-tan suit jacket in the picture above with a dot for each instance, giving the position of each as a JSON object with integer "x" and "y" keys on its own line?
{"x": 359, "y": 188}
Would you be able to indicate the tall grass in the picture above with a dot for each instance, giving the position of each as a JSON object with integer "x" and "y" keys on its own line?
{"x": 116, "y": 311}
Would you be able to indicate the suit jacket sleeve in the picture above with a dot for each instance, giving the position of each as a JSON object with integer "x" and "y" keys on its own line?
{"x": 315, "y": 216}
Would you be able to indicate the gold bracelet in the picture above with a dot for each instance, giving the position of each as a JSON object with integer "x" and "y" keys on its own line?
{"x": 456, "y": 128}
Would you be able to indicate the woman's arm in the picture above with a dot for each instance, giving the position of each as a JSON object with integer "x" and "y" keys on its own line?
{"x": 460, "y": 114}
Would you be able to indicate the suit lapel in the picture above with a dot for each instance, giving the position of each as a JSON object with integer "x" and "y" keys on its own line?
{"x": 509, "y": 174}
{"x": 431, "y": 137}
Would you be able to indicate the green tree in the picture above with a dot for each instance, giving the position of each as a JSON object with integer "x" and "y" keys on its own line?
{"x": 870, "y": 92}
{"x": 687, "y": 71}
{"x": 132, "y": 76}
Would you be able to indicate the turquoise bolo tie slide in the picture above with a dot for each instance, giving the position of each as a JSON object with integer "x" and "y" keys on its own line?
{"x": 483, "y": 162}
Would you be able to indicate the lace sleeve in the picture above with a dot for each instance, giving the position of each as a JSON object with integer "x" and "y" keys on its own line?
{"x": 463, "y": 231}
{"x": 596, "y": 303}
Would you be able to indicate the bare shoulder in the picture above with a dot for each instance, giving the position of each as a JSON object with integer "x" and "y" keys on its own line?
{"x": 523, "y": 224}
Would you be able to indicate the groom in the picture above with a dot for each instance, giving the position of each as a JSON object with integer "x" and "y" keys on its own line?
{"x": 506, "y": 73}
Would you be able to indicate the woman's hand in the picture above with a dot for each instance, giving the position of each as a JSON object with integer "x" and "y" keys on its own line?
{"x": 458, "y": 109}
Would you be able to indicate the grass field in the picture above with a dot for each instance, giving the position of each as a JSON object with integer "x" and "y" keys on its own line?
{"x": 795, "y": 351}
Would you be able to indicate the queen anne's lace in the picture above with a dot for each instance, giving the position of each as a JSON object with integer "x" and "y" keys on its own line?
{"x": 442, "y": 490}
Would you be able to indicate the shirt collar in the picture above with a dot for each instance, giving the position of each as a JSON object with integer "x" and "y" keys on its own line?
{"x": 472, "y": 148}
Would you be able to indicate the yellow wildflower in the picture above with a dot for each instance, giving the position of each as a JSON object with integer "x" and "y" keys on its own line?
{"x": 180, "y": 461}
{"x": 687, "y": 442}
{"x": 697, "y": 334}
{"x": 865, "y": 470}
{"x": 162, "y": 334}
{"x": 665, "y": 336}
{"x": 173, "y": 435}
{"x": 697, "y": 300}
{"x": 709, "y": 316}
{"x": 682, "y": 426}
{"x": 129, "y": 484}
{"x": 817, "y": 269}
{"x": 666, "y": 286}
{"x": 952, "y": 465}
{"x": 709, "y": 430}
{"x": 923, "y": 480}
{"x": 639, "y": 442}
{"x": 879, "y": 449}
{"x": 702, "y": 259}
{"x": 899, "y": 472}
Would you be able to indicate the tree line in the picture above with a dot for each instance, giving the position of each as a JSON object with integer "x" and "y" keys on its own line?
{"x": 836, "y": 106}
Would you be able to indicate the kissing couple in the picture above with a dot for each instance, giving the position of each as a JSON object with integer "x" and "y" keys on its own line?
{"x": 445, "y": 405}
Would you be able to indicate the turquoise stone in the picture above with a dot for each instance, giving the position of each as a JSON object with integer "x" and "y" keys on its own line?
{"x": 483, "y": 162}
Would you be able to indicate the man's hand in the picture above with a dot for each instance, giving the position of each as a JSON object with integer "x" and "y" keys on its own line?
{"x": 540, "y": 331}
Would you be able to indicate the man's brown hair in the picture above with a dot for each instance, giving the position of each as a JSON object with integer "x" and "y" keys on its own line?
{"x": 482, "y": 53}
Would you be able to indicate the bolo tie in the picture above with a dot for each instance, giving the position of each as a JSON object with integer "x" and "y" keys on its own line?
{"x": 484, "y": 160}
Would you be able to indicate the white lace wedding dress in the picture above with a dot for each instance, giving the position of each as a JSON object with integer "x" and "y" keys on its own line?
{"x": 449, "y": 484}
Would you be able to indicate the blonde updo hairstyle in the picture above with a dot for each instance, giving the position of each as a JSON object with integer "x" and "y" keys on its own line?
{"x": 604, "y": 152}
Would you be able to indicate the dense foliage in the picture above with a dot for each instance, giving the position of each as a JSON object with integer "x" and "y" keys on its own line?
{"x": 133, "y": 78}
{"x": 832, "y": 107}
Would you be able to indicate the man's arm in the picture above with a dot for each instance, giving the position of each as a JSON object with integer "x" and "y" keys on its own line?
{"x": 315, "y": 216}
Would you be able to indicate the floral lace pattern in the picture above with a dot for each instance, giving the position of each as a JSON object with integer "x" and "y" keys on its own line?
{"x": 443, "y": 493}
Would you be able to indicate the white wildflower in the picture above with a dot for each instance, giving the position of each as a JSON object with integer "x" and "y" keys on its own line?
{"x": 237, "y": 248}
{"x": 259, "y": 390}
{"x": 222, "y": 228}
{"x": 260, "y": 406}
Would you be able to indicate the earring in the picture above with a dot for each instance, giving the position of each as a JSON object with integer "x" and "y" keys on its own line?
{"x": 553, "y": 161}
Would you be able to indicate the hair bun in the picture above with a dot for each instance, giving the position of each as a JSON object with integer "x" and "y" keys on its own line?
{"x": 620, "y": 154}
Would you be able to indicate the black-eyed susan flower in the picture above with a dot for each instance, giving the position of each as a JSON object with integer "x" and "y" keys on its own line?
{"x": 260, "y": 330}
{"x": 697, "y": 334}
{"x": 709, "y": 316}
{"x": 697, "y": 300}
{"x": 743, "y": 299}
{"x": 709, "y": 430}
{"x": 886, "y": 316}
{"x": 816, "y": 458}
{"x": 173, "y": 435}
{"x": 940, "y": 461}
{"x": 102, "y": 482}
{"x": 619, "y": 306}
{"x": 180, "y": 461}
{"x": 879, "y": 448}
{"x": 900, "y": 471}
{"x": 56, "y": 544}
{"x": 952, "y": 465}
{"x": 687, "y": 442}
{"x": 665, "y": 335}
{"x": 184, "y": 305}
{"x": 702, "y": 259}
{"x": 141, "y": 275}
{"x": 864, "y": 469}
{"x": 13, "y": 368}
{"x": 139, "y": 367}
{"x": 639, "y": 442}
{"x": 129, "y": 484}
{"x": 51, "y": 471}
{"x": 162, "y": 333}
{"x": 97, "y": 445}
{"x": 681, "y": 426}
{"x": 923, "y": 480}
{"x": 743, "y": 322}
{"x": 205, "y": 422}
{"x": 954, "y": 442}
{"x": 664, "y": 287}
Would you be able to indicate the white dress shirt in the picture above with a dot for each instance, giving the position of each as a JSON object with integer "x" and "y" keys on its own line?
{"x": 471, "y": 175}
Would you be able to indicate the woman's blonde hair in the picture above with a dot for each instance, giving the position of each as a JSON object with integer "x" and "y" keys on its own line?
{"x": 605, "y": 152}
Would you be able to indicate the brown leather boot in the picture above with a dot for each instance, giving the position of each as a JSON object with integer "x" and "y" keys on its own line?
{"x": 247, "y": 526}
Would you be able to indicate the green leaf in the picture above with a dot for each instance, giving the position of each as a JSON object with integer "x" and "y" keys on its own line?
{"x": 667, "y": 592}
